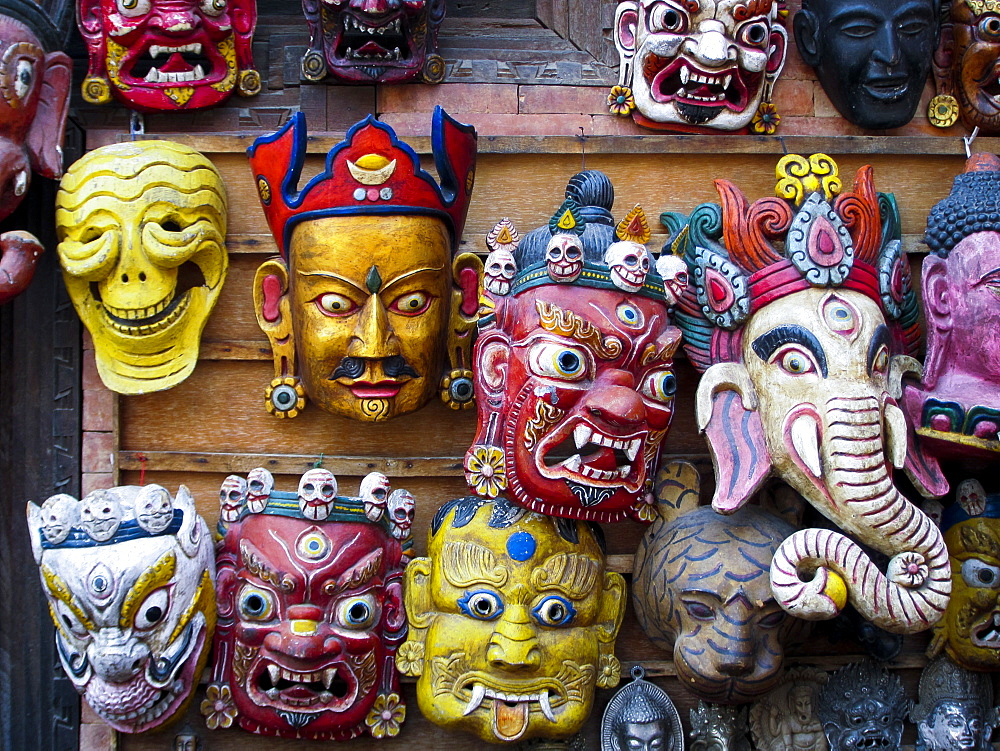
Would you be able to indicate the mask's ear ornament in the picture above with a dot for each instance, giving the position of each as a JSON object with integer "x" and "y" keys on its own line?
{"x": 129, "y": 574}
{"x": 311, "y": 609}
{"x": 379, "y": 312}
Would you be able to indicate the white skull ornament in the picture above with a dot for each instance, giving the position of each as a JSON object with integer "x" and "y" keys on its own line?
{"x": 629, "y": 264}
{"x": 400, "y": 507}
{"x": 59, "y": 514}
{"x": 374, "y": 491}
{"x": 564, "y": 257}
{"x": 100, "y": 515}
{"x": 317, "y": 492}
{"x": 154, "y": 508}
{"x": 260, "y": 483}
{"x": 232, "y": 494}
{"x": 500, "y": 271}
{"x": 674, "y": 271}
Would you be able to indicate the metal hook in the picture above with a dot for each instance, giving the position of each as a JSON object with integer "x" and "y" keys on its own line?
{"x": 967, "y": 140}
{"x": 784, "y": 147}
{"x": 137, "y": 125}
{"x": 319, "y": 462}
{"x": 583, "y": 148}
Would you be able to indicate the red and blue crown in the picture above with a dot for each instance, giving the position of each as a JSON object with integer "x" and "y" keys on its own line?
{"x": 370, "y": 172}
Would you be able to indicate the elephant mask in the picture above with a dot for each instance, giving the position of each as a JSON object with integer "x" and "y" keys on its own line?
{"x": 800, "y": 349}
{"x": 34, "y": 102}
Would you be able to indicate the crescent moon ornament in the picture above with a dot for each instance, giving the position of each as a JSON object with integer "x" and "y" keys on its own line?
{"x": 371, "y": 169}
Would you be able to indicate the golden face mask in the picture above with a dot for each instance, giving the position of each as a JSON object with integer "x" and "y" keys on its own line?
{"x": 513, "y": 620}
{"x": 142, "y": 231}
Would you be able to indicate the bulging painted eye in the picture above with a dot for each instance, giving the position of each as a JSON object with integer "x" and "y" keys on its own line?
{"x": 256, "y": 604}
{"x": 358, "y": 613}
{"x": 794, "y": 361}
{"x": 660, "y": 385}
{"x": 630, "y": 315}
{"x": 754, "y": 34}
{"x": 554, "y": 611}
{"x": 772, "y": 619}
{"x": 881, "y": 361}
{"x": 332, "y": 304}
{"x": 134, "y": 8}
{"x": 481, "y": 604}
{"x": 24, "y": 77}
{"x": 153, "y": 609}
{"x": 558, "y": 361}
{"x": 69, "y": 620}
{"x": 699, "y": 611}
{"x": 411, "y": 304}
{"x": 977, "y": 573}
{"x": 213, "y": 7}
{"x": 989, "y": 27}
{"x": 665, "y": 17}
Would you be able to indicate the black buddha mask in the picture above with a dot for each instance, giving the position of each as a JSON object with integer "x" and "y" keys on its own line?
{"x": 872, "y": 57}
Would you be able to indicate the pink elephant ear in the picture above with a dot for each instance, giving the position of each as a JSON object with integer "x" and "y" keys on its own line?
{"x": 736, "y": 439}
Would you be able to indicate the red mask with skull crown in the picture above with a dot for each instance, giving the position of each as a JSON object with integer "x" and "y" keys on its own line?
{"x": 373, "y": 41}
{"x": 310, "y": 608}
{"x": 168, "y": 54}
{"x": 575, "y": 377}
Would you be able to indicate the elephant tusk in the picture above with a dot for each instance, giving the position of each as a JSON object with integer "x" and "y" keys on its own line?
{"x": 805, "y": 439}
{"x": 895, "y": 435}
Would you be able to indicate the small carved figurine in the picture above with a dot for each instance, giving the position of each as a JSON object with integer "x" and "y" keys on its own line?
{"x": 310, "y": 614}
{"x": 129, "y": 575}
{"x": 373, "y": 41}
{"x": 155, "y": 55}
{"x": 967, "y": 67}
{"x": 785, "y": 719}
{"x": 701, "y": 589}
{"x": 690, "y": 66}
{"x": 955, "y": 711}
{"x": 970, "y": 629}
{"x": 142, "y": 230}
{"x": 719, "y": 727}
{"x": 956, "y": 406}
{"x": 370, "y": 306}
{"x": 641, "y": 717}
{"x": 863, "y": 705}
{"x": 871, "y": 56}
{"x": 513, "y": 619}
{"x": 575, "y": 382}
{"x": 802, "y": 343}
{"x": 34, "y": 101}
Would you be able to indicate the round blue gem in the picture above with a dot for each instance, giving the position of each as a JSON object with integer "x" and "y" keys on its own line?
{"x": 521, "y": 546}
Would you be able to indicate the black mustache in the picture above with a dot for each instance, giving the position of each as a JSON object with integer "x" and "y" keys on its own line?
{"x": 354, "y": 367}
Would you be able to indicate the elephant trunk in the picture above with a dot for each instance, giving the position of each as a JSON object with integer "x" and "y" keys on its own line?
{"x": 914, "y": 592}
{"x": 17, "y": 266}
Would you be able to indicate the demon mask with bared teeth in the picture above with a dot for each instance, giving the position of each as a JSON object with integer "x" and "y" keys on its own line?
{"x": 311, "y": 614}
{"x": 863, "y": 706}
{"x": 128, "y": 573}
{"x": 373, "y": 41}
{"x": 575, "y": 377}
{"x": 168, "y": 54}
{"x": 697, "y": 63}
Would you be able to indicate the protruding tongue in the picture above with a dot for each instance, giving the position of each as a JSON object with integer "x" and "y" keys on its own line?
{"x": 509, "y": 719}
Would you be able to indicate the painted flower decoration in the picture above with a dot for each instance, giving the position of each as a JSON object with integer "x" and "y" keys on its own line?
{"x": 611, "y": 672}
{"x": 943, "y": 111}
{"x": 386, "y": 716}
{"x": 644, "y": 510}
{"x": 908, "y": 569}
{"x": 620, "y": 101}
{"x": 218, "y": 707}
{"x": 410, "y": 658}
{"x": 766, "y": 119}
{"x": 484, "y": 470}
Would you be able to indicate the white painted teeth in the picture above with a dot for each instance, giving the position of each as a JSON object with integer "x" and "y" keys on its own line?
{"x": 597, "y": 474}
{"x": 729, "y": 80}
{"x": 155, "y": 50}
{"x": 158, "y": 76}
{"x": 581, "y": 435}
{"x": 328, "y": 675}
{"x": 275, "y": 672}
{"x": 543, "y": 702}
{"x": 685, "y": 75}
{"x": 574, "y": 463}
{"x": 478, "y": 694}
{"x": 632, "y": 449}
{"x": 352, "y": 23}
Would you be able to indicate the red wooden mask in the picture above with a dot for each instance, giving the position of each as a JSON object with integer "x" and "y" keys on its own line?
{"x": 168, "y": 54}
{"x": 575, "y": 377}
{"x": 310, "y": 608}
{"x": 34, "y": 101}
{"x": 373, "y": 41}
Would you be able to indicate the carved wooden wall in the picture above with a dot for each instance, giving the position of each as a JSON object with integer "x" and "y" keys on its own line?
{"x": 532, "y": 77}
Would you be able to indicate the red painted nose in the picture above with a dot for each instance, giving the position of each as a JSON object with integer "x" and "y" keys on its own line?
{"x": 375, "y": 7}
{"x": 614, "y": 400}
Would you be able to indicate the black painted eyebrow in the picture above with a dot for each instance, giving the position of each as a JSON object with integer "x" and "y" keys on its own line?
{"x": 880, "y": 337}
{"x": 766, "y": 344}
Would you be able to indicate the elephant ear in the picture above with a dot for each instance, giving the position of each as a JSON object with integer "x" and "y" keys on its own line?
{"x": 728, "y": 416}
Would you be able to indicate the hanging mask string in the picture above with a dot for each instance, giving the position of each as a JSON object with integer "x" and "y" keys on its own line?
{"x": 143, "y": 459}
{"x": 583, "y": 149}
{"x": 967, "y": 140}
{"x": 319, "y": 462}
{"x": 136, "y": 125}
